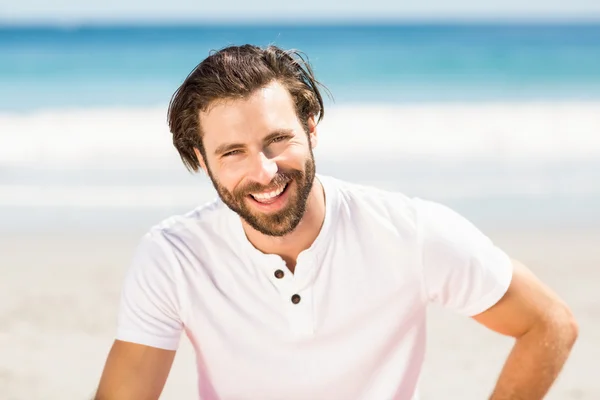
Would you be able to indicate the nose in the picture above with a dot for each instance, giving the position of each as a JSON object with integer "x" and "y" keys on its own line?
{"x": 264, "y": 169}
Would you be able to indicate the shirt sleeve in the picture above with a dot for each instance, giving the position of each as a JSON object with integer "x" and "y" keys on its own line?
{"x": 462, "y": 269}
{"x": 149, "y": 306}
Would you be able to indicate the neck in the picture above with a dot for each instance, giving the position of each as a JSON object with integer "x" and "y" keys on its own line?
{"x": 291, "y": 245}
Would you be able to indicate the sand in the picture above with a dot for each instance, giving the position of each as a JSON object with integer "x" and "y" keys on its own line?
{"x": 59, "y": 297}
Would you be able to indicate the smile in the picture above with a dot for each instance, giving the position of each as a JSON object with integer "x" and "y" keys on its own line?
{"x": 269, "y": 197}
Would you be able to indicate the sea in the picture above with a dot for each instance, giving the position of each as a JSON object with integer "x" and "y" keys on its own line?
{"x": 499, "y": 120}
{"x": 89, "y": 66}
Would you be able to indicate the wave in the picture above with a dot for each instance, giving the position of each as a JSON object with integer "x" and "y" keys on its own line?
{"x": 138, "y": 138}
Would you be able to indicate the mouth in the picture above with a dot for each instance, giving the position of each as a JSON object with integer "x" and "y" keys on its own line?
{"x": 271, "y": 199}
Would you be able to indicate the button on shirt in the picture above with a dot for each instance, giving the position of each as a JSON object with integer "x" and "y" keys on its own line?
{"x": 349, "y": 323}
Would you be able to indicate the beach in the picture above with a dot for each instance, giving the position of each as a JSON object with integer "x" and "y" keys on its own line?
{"x": 60, "y": 291}
{"x": 74, "y": 206}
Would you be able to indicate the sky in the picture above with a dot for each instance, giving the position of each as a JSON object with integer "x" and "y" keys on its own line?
{"x": 86, "y": 11}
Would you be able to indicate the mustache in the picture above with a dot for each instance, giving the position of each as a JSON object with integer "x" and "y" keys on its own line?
{"x": 280, "y": 179}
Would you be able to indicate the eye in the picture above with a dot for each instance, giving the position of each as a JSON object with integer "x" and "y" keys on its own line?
{"x": 231, "y": 153}
{"x": 279, "y": 139}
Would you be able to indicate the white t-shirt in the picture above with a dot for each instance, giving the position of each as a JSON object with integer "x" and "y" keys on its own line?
{"x": 348, "y": 324}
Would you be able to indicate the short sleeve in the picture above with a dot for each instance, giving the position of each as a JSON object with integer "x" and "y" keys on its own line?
{"x": 462, "y": 269}
{"x": 149, "y": 307}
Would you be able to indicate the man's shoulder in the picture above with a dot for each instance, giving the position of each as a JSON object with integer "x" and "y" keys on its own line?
{"x": 373, "y": 201}
{"x": 169, "y": 245}
{"x": 369, "y": 193}
{"x": 206, "y": 218}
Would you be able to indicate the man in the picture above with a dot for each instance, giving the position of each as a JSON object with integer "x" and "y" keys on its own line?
{"x": 294, "y": 285}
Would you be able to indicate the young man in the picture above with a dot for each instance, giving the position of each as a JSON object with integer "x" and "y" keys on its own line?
{"x": 294, "y": 285}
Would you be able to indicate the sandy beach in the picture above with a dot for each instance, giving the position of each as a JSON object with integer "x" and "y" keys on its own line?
{"x": 59, "y": 297}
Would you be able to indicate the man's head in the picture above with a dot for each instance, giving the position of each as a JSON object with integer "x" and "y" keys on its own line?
{"x": 247, "y": 116}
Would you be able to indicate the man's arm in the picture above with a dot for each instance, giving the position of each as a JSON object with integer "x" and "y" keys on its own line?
{"x": 545, "y": 331}
{"x": 134, "y": 371}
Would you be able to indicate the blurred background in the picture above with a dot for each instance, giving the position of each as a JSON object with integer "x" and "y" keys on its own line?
{"x": 492, "y": 108}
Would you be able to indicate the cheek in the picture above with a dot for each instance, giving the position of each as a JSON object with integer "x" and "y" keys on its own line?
{"x": 231, "y": 173}
{"x": 231, "y": 182}
{"x": 296, "y": 156}
{"x": 225, "y": 177}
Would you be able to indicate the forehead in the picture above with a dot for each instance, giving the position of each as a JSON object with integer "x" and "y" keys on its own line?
{"x": 267, "y": 109}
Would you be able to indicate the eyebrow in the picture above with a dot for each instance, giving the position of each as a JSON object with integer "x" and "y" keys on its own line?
{"x": 226, "y": 147}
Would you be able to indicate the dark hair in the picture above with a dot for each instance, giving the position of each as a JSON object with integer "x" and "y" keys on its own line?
{"x": 236, "y": 72}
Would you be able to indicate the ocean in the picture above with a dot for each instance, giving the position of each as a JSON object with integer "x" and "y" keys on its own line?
{"x": 50, "y": 67}
{"x": 499, "y": 120}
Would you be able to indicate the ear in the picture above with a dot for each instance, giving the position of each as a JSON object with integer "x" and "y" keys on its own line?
{"x": 201, "y": 160}
{"x": 312, "y": 131}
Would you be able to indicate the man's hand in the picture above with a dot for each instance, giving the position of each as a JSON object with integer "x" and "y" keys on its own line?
{"x": 545, "y": 331}
{"x": 134, "y": 371}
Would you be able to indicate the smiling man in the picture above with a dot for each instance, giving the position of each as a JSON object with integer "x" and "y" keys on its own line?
{"x": 295, "y": 285}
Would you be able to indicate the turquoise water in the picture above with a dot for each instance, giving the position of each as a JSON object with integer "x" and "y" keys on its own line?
{"x": 45, "y": 67}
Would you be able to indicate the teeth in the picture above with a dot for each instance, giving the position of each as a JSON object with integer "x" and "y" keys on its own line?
{"x": 268, "y": 195}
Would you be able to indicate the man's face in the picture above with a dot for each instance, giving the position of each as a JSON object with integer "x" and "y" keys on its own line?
{"x": 259, "y": 158}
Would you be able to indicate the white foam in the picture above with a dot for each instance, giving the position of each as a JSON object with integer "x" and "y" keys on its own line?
{"x": 88, "y": 137}
{"x": 139, "y": 138}
{"x": 549, "y": 130}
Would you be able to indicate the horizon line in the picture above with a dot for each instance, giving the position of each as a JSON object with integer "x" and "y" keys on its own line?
{"x": 592, "y": 19}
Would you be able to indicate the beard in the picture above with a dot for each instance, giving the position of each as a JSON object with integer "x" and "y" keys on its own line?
{"x": 283, "y": 221}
